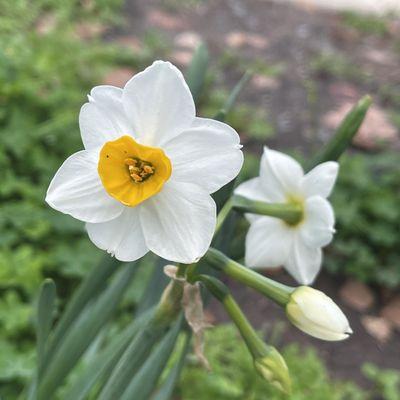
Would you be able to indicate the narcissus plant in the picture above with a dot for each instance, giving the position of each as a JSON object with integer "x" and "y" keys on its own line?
{"x": 143, "y": 183}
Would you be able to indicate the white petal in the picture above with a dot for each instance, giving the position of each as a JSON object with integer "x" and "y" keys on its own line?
{"x": 280, "y": 174}
{"x": 320, "y": 180}
{"x": 179, "y": 222}
{"x": 268, "y": 242}
{"x": 326, "y": 315}
{"x": 103, "y": 118}
{"x": 76, "y": 190}
{"x": 303, "y": 262}
{"x": 122, "y": 237}
{"x": 208, "y": 154}
{"x": 316, "y": 314}
{"x": 158, "y": 103}
{"x": 109, "y": 100}
{"x": 317, "y": 229}
{"x": 252, "y": 189}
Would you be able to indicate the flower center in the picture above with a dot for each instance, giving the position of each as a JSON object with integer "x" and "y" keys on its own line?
{"x": 297, "y": 212}
{"x": 131, "y": 172}
{"x": 139, "y": 170}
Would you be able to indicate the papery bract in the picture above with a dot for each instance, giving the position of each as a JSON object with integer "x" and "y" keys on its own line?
{"x": 271, "y": 242}
{"x": 149, "y": 166}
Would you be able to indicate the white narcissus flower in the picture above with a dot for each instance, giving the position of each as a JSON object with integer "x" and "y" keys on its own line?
{"x": 271, "y": 242}
{"x": 316, "y": 314}
{"x": 149, "y": 166}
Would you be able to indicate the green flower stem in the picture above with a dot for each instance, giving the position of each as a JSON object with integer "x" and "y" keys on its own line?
{"x": 255, "y": 345}
{"x": 268, "y": 362}
{"x": 169, "y": 305}
{"x": 344, "y": 134}
{"x": 275, "y": 291}
{"x": 227, "y": 107}
{"x": 289, "y": 212}
{"x": 138, "y": 351}
{"x": 222, "y": 215}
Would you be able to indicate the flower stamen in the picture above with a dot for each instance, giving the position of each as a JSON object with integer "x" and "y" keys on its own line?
{"x": 139, "y": 170}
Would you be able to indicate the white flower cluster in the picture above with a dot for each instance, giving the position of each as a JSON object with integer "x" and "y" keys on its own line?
{"x": 176, "y": 219}
{"x": 145, "y": 177}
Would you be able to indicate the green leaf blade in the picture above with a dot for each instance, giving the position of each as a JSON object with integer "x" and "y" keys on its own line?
{"x": 166, "y": 390}
{"x": 144, "y": 382}
{"x": 82, "y": 332}
{"x": 103, "y": 363}
{"x": 197, "y": 71}
{"x": 45, "y": 315}
{"x": 231, "y": 100}
{"x": 345, "y": 133}
{"x": 130, "y": 362}
{"x": 89, "y": 288}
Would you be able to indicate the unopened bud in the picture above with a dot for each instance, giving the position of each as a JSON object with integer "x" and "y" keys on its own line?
{"x": 272, "y": 367}
{"x": 313, "y": 312}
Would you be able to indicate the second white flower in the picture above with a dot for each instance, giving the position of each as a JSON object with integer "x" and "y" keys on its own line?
{"x": 271, "y": 242}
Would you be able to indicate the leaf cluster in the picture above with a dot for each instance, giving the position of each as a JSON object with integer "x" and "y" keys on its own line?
{"x": 368, "y": 219}
{"x": 47, "y": 66}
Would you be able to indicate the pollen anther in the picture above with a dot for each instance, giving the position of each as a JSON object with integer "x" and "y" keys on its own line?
{"x": 130, "y": 161}
{"x": 138, "y": 169}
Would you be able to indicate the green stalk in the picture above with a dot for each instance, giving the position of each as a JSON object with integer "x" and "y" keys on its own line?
{"x": 101, "y": 365}
{"x": 255, "y": 345}
{"x": 135, "y": 355}
{"x": 268, "y": 362}
{"x": 291, "y": 213}
{"x": 82, "y": 333}
{"x": 167, "y": 388}
{"x": 274, "y": 290}
{"x": 344, "y": 134}
{"x": 90, "y": 287}
{"x": 45, "y": 315}
{"x": 143, "y": 383}
{"x": 224, "y": 111}
{"x": 222, "y": 215}
{"x": 196, "y": 74}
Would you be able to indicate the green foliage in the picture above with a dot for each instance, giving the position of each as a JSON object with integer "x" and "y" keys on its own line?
{"x": 367, "y": 24}
{"x": 233, "y": 375}
{"x": 387, "y": 382}
{"x": 344, "y": 134}
{"x": 252, "y": 123}
{"x": 196, "y": 73}
{"x": 368, "y": 218}
{"x": 390, "y": 94}
{"x": 14, "y": 314}
{"x": 174, "y": 6}
{"x": 336, "y": 65}
{"x": 46, "y": 70}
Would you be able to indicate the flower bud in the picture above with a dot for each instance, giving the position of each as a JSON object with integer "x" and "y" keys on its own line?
{"x": 316, "y": 314}
{"x": 272, "y": 367}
